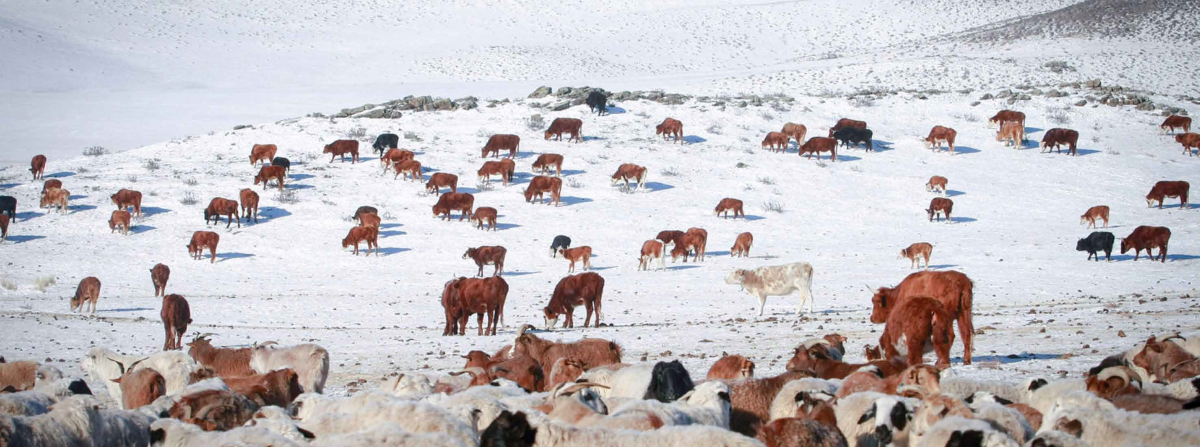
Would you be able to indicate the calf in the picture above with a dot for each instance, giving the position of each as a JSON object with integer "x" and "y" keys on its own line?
{"x": 585, "y": 289}
{"x": 52, "y": 183}
{"x": 1005, "y": 116}
{"x": 263, "y": 152}
{"x": 545, "y": 161}
{"x": 936, "y": 183}
{"x": 559, "y": 242}
{"x": 37, "y": 166}
{"x": 630, "y": 171}
{"x": 694, "y": 239}
{"x": 410, "y": 169}
{"x": 500, "y": 142}
{"x": 669, "y": 237}
{"x": 597, "y": 102}
{"x": 394, "y": 156}
{"x": 939, "y": 135}
{"x": 482, "y": 297}
{"x": 1188, "y": 140}
{"x": 913, "y": 323}
{"x": 1175, "y": 121}
{"x": 796, "y": 131}
{"x": 572, "y": 126}
{"x": 227, "y": 362}
{"x": 1095, "y": 242}
{"x": 8, "y": 205}
{"x": 441, "y": 179}
{"x": 775, "y": 141}
{"x": 86, "y": 294}
{"x": 741, "y": 246}
{"x": 341, "y": 148}
{"x": 283, "y": 163}
{"x": 915, "y": 251}
{"x": 493, "y": 255}
{"x": 369, "y": 220}
{"x": 159, "y": 276}
{"x": 485, "y": 214}
{"x": 364, "y": 210}
{"x": 1145, "y": 238}
{"x": 816, "y": 145}
{"x": 218, "y": 206}
{"x": 370, "y": 235}
{"x": 176, "y": 315}
{"x": 249, "y": 202}
{"x": 267, "y": 173}
{"x": 491, "y": 168}
{"x": 582, "y": 254}
{"x": 141, "y": 387}
{"x": 127, "y": 198}
{"x": 201, "y": 240}
{"x": 1057, "y": 137}
{"x": 854, "y": 135}
{"x": 1093, "y": 213}
{"x": 939, "y": 204}
{"x": 780, "y": 280}
{"x": 1011, "y": 133}
{"x": 56, "y": 197}
{"x": 1164, "y": 189}
{"x": 953, "y": 289}
{"x": 669, "y": 128}
{"x": 3, "y": 227}
{"x": 119, "y": 219}
{"x": 454, "y": 201}
{"x": 846, "y": 123}
{"x": 542, "y": 184}
{"x": 727, "y": 204}
{"x": 651, "y": 249}
{"x": 385, "y": 141}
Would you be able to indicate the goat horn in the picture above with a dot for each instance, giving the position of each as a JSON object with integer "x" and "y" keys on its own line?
{"x": 204, "y": 411}
{"x": 578, "y": 386}
{"x": 122, "y": 365}
{"x": 265, "y": 343}
{"x": 524, "y": 327}
{"x": 459, "y": 373}
{"x": 136, "y": 362}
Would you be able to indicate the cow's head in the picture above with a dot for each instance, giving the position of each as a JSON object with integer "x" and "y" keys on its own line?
{"x": 328, "y": 149}
{"x": 930, "y": 212}
{"x": 881, "y": 304}
{"x": 470, "y": 253}
{"x": 1150, "y": 198}
{"x": 548, "y": 134}
{"x": 1081, "y": 245}
{"x": 903, "y": 253}
{"x": 550, "y": 317}
{"x": 734, "y": 277}
{"x": 1125, "y": 245}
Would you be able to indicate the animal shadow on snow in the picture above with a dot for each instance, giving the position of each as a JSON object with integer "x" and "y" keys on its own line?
{"x": 567, "y": 172}
{"x": 222, "y": 257}
{"x": 9, "y": 185}
{"x": 965, "y": 150}
{"x": 671, "y": 268}
{"x": 388, "y": 251}
{"x": 572, "y": 200}
{"x": 22, "y": 238}
{"x": 847, "y": 158}
{"x": 614, "y": 110}
{"x": 139, "y": 229}
{"x": 148, "y": 211}
{"x": 126, "y": 309}
{"x": 587, "y": 139}
{"x": 881, "y": 146}
{"x": 1029, "y": 130}
{"x": 300, "y": 176}
{"x": 390, "y": 233}
{"x": 59, "y": 174}
{"x": 942, "y": 266}
{"x": 1009, "y": 358}
{"x": 1122, "y": 258}
{"x": 717, "y": 253}
{"x": 390, "y": 225}
{"x": 953, "y": 193}
{"x": 577, "y": 270}
{"x": 78, "y": 208}
{"x": 465, "y": 190}
{"x": 692, "y": 139}
{"x": 957, "y": 219}
{"x": 500, "y": 226}
{"x": 76, "y": 197}
{"x": 748, "y": 218}
{"x": 656, "y": 186}
{"x": 520, "y": 273}
{"x": 21, "y": 217}
{"x": 270, "y": 213}
{"x": 296, "y": 186}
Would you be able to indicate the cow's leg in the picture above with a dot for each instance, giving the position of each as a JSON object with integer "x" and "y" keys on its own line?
{"x": 167, "y": 331}
{"x": 1162, "y": 253}
{"x": 587, "y": 305}
{"x": 915, "y": 347}
{"x": 966, "y": 329}
{"x": 762, "y": 302}
{"x": 212, "y": 254}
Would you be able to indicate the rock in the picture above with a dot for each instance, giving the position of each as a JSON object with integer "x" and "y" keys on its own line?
{"x": 577, "y": 101}
{"x": 1094, "y": 83}
{"x": 468, "y": 104}
{"x": 443, "y": 104}
{"x": 1035, "y": 91}
{"x": 1012, "y": 100}
{"x": 242, "y": 126}
{"x": 376, "y": 113}
{"x": 975, "y": 103}
{"x": 742, "y": 104}
{"x": 1055, "y": 94}
{"x": 1146, "y": 106}
{"x": 623, "y": 96}
{"x": 922, "y": 96}
{"x": 563, "y": 91}
{"x": 359, "y": 109}
{"x": 541, "y": 92}
{"x": 653, "y": 96}
{"x": 420, "y": 102}
{"x": 756, "y": 101}
{"x": 1081, "y": 103}
{"x": 561, "y": 106}
{"x": 986, "y": 96}
{"x": 394, "y": 113}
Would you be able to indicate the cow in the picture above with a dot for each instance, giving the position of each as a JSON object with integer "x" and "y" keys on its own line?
{"x": 1057, "y": 137}
{"x": 796, "y": 131}
{"x": 3, "y": 227}
{"x": 775, "y": 141}
{"x": 727, "y": 204}
{"x": 8, "y": 204}
{"x": 1172, "y": 189}
{"x": 854, "y": 135}
{"x": 670, "y": 128}
{"x": 914, "y": 253}
{"x": 741, "y": 245}
{"x": 126, "y": 198}
{"x": 282, "y": 162}
{"x": 341, "y": 148}
{"x": 585, "y": 289}
{"x": 56, "y": 197}
{"x": 385, "y": 141}
{"x": 1005, "y": 116}
{"x": 578, "y": 254}
{"x": 370, "y": 235}
{"x": 652, "y": 249}
{"x": 1175, "y": 121}
{"x": 816, "y": 145}
{"x": 1093, "y": 213}
{"x": 779, "y": 280}
{"x": 694, "y": 239}
{"x": 483, "y": 297}
{"x": 936, "y": 183}
{"x": 1096, "y": 242}
{"x": 846, "y": 123}
{"x": 1011, "y": 133}
{"x": 159, "y": 276}
{"x": 493, "y": 255}
{"x": 939, "y": 135}
{"x": 1188, "y": 140}
{"x": 38, "y": 166}
{"x": 394, "y": 156}
{"x": 485, "y": 214}
{"x": 218, "y": 206}
{"x": 500, "y": 142}
{"x": 249, "y": 202}
{"x": 439, "y": 179}
{"x": 119, "y": 219}
{"x": 451, "y": 307}
{"x": 202, "y": 240}
{"x": 369, "y": 220}
{"x": 572, "y": 126}
{"x": 263, "y": 152}
{"x": 597, "y": 102}
{"x": 953, "y": 289}
{"x": 491, "y": 168}
{"x": 410, "y": 169}
{"x": 542, "y": 184}
{"x": 669, "y": 237}
{"x": 939, "y": 204}
{"x": 627, "y": 171}
{"x": 364, "y": 210}
{"x": 454, "y": 201}
{"x": 52, "y": 183}
{"x": 266, "y": 173}
{"x": 559, "y": 242}
{"x": 545, "y": 161}
{"x": 86, "y": 294}
{"x": 1145, "y": 238}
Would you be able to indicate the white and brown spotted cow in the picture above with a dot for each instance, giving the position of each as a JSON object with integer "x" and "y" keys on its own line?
{"x": 779, "y": 280}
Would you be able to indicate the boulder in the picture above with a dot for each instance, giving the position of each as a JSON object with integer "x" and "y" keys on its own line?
{"x": 1094, "y": 83}
{"x": 563, "y": 91}
{"x": 1081, "y": 103}
{"x": 561, "y": 106}
{"x": 443, "y": 104}
{"x": 541, "y": 92}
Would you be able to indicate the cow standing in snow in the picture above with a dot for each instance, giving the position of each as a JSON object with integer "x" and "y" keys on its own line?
{"x": 780, "y": 280}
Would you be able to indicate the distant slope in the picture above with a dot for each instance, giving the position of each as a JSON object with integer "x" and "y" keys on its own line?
{"x": 1153, "y": 20}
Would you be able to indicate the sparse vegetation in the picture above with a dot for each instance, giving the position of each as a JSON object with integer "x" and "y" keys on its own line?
{"x": 131, "y": 178}
{"x": 484, "y": 185}
{"x": 328, "y": 202}
{"x": 766, "y": 115}
{"x": 766, "y": 181}
{"x": 309, "y": 156}
{"x": 1059, "y": 117}
{"x": 572, "y": 182}
{"x": 714, "y": 129}
{"x": 773, "y": 206}
{"x": 641, "y": 114}
{"x": 1058, "y": 66}
{"x": 669, "y": 172}
{"x": 356, "y": 133}
{"x": 863, "y": 101}
{"x": 822, "y": 164}
{"x": 855, "y": 168}
{"x": 189, "y": 198}
{"x": 387, "y": 215}
{"x": 44, "y": 282}
{"x": 287, "y": 196}
{"x": 82, "y": 170}
{"x": 8, "y": 284}
{"x": 151, "y": 164}
{"x": 95, "y": 151}
{"x": 191, "y": 181}
{"x": 412, "y": 136}
{"x": 968, "y": 117}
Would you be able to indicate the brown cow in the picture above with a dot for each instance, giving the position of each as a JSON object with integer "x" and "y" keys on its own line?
{"x": 508, "y": 167}
{"x": 410, "y": 169}
{"x": 126, "y": 198}
{"x": 159, "y": 276}
{"x": 694, "y": 239}
{"x": 370, "y": 235}
{"x": 369, "y": 220}
{"x": 3, "y": 227}
{"x": 1175, "y": 121}
{"x": 485, "y": 214}
{"x": 266, "y": 173}
{"x": 482, "y": 297}
{"x": 500, "y": 142}
{"x": 844, "y": 123}
{"x": 775, "y": 141}
{"x": 491, "y": 168}
{"x": 1164, "y": 189}
{"x": 651, "y": 249}
{"x": 542, "y": 184}
{"x": 119, "y": 219}
{"x": 37, "y": 166}
{"x": 451, "y": 307}
{"x": 1145, "y": 238}
{"x": 939, "y": 135}
{"x": 669, "y": 237}
{"x": 264, "y": 152}
{"x": 86, "y": 294}
{"x": 727, "y": 204}
{"x": 952, "y": 289}
{"x": 1011, "y": 133}
{"x": 1056, "y": 137}
{"x": 627, "y": 171}
{"x": 796, "y": 131}
{"x": 670, "y": 127}
{"x": 218, "y": 206}
{"x": 341, "y": 148}
{"x": 936, "y": 183}
{"x": 1005, "y": 116}
{"x": 249, "y": 200}
{"x": 585, "y": 288}
{"x": 56, "y": 197}
{"x": 488, "y": 255}
{"x": 914, "y": 253}
{"x": 1093, "y": 213}
{"x": 176, "y": 315}
{"x": 741, "y": 246}
{"x": 545, "y": 161}
{"x": 583, "y": 254}
{"x": 816, "y": 145}
{"x": 940, "y": 204}
{"x": 394, "y": 156}
{"x": 202, "y": 239}
{"x": 914, "y": 322}
{"x": 454, "y": 201}
{"x": 52, "y": 183}
{"x": 439, "y": 179}
{"x": 1188, "y": 140}
{"x": 571, "y": 126}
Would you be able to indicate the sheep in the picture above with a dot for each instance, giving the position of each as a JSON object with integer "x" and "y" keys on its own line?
{"x": 1113, "y": 381}
{"x": 1041, "y": 394}
{"x": 514, "y": 429}
{"x": 173, "y": 433}
{"x": 214, "y": 409}
{"x": 141, "y": 387}
{"x": 1089, "y": 401}
{"x": 226, "y": 361}
{"x": 1167, "y": 361}
{"x": 411, "y": 385}
{"x": 25, "y": 403}
{"x": 416, "y": 417}
{"x": 661, "y": 381}
{"x": 586, "y": 409}
{"x": 592, "y": 352}
{"x": 1116, "y": 428}
{"x": 1149, "y": 404}
{"x": 817, "y": 361}
{"x": 784, "y": 403}
{"x": 1010, "y": 420}
{"x": 525, "y": 372}
{"x": 564, "y": 370}
{"x": 834, "y": 345}
{"x": 104, "y": 365}
{"x": 891, "y": 416}
{"x": 1054, "y": 438}
{"x": 752, "y": 398}
{"x": 19, "y": 375}
{"x": 1032, "y": 416}
{"x": 922, "y": 376}
{"x": 386, "y": 434}
{"x": 730, "y": 367}
{"x": 794, "y": 432}
{"x": 279, "y": 387}
{"x": 280, "y": 422}
{"x": 486, "y": 399}
{"x": 310, "y": 361}
{"x": 933, "y": 409}
{"x": 955, "y": 430}
{"x": 965, "y": 387}
{"x": 77, "y": 421}
{"x": 707, "y": 404}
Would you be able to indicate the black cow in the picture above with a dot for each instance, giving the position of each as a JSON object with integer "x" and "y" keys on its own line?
{"x": 280, "y": 161}
{"x": 385, "y": 141}
{"x": 854, "y": 135}
{"x": 1095, "y": 242}
{"x": 365, "y": 210}
{"x": 598, "y": 102}
{"x": 560, "y": 241}
{"x": 8, "y": 204}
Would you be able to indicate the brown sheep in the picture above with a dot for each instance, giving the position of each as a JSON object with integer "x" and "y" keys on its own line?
{"x": 176, "y": 315}
{"x": 119, "y": 219}
{"x": 953, "y": 289}
{"x": 249, "y": 204}
{"x": 798, "y": 432}
{"x": 592, "y": 352}
{"x": 815, "y": 361}
{"x": 279, "y": 387}
{"x": 141, "y": 387}
{"x": 731, "y": 367}
{"x": 18, "y": 376}
{"x": 86, "y": 293}
{"x": 751, "y": 400}
{"x": 214, "y": 410}
{"x": 525, "y": 371}
{"x": 741, "y": 246}
{"x": 159, "y": 276}
{"x": 1164, "y": 359}
{"x": 915, "y": 321}
{"x": 228, "y": 362}
{"x": 915, "y": 251}
{"x": 922, "y": 376}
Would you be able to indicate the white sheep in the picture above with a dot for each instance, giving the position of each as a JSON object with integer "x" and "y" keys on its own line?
{"x": 965, "y": 432}
{"x": 784, "y": 404}
{"x": 416, "y": 417}
{"x": 173, "y": 433}
{"x": 1010, "y": 420}
{"x": 386, "y": 434}
{"x": 77, "y": 421}
{"x": 1042, "y": 398}
{"x": 963, "y": 387}
{"x": 883, "y": 418}
{"x": 707, "y": 404}
{"x": 603, "y": 375}
{"x": 1120, "y": 428}
{"x": 411, "y": 385}
{"x": 552, "y": 434}
{"x": 25, "y": 403}
{"x": 104, "y": 365}
{"x": 1055, "y": 438}
{"x": 1081, "y": 399}
{"x": 280, "y": 422}
{"x": 485, "y": 399}
{"x": 309, "y": 405}
{"x": 310, "y": 361}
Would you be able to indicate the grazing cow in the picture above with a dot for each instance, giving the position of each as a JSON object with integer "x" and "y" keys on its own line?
{"x": 1096, "y": 242}
{"x": 451, "y": 307}
{"x": 264, "y": 152}
{"x": 3, "y": 227}
{"x": 572, "y": 126}
{"x": 1145, "y": 238}
{"x": 481, "y": 297}
{"x": 493, "y": 255}
{"x": 669, "y": 128}
{"x": 52, "y": 183}
{"x": 1175, "y": 121}
{"x": 364, "y": 210}
{"x": 816, "y": 145}
{"x": 578, "y": 254}
{"x": 369, "y": 220}
{"x": 370, "y": 235}
{"x": 1188, "y": 140}
{"x": 846, "y": 123}
{"x": 410, "y": 169}
{"x": 914, "y": 253}
{"x": 283, "y": 163}
{"x": 454, "y": 201}
{"x": 38, "y": 166}
{"x": 779, "y": 280}
{"x": 485, "y": 214}
{"x": 86, "y": 294}
{"x": 1172, "y": 189}
{"x": 1005, "y": 116}
{"x": 936, "y": 183}
{"x": 559, "y": 242}
{"x": 159, "y": 276}
{"x": 585, "y": 289}
{"x": 854, "y": 135}
{"x": 1057, "y": 137}
{"x": 541, "y": 185}
{"x": 500, "y": 142}
{"x": 952, "y": 289}
{"x": 727, "y": 204}
{"x": 176, "y": 316}
{"x": 8, "y": 204}
{"x": 545, "y": 161}
{"x": 126, "y": 198}
{"x": 394, "y": 156}
{"x": 627, "y": 171}
{"x": 694, "y": 239}
{"x": 201, "y": 240}
{"x": 218, "y": 206}
{"x": 341, "y": 148}
{"x": 491, "y": 168}
{"x": 796, "y": 131}
{"x": 508, "y": 167}
{"x": 119, "y": 219}
{"x": 741, "y": 246}
{"x": 651, "y": 249}
{"x": 939, "y": 204}
{"x": 439, "y": 179}
{"x": 266, "y": 173}
{"x": 1093, "y": 213}
{"x": 669, "y": 237}
{"x": 385, "y": 141}
{"x": 1011, "y": 133}
{"x": 939, "y": 135}
{"x": 775, "y": 141}
{"x": 249, "y": 200}
{"x": 597, "y": 102}
{"x": 56, "y": 197}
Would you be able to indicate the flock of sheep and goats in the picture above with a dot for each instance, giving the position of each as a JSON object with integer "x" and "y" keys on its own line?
{"x": 542, "y": 392}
